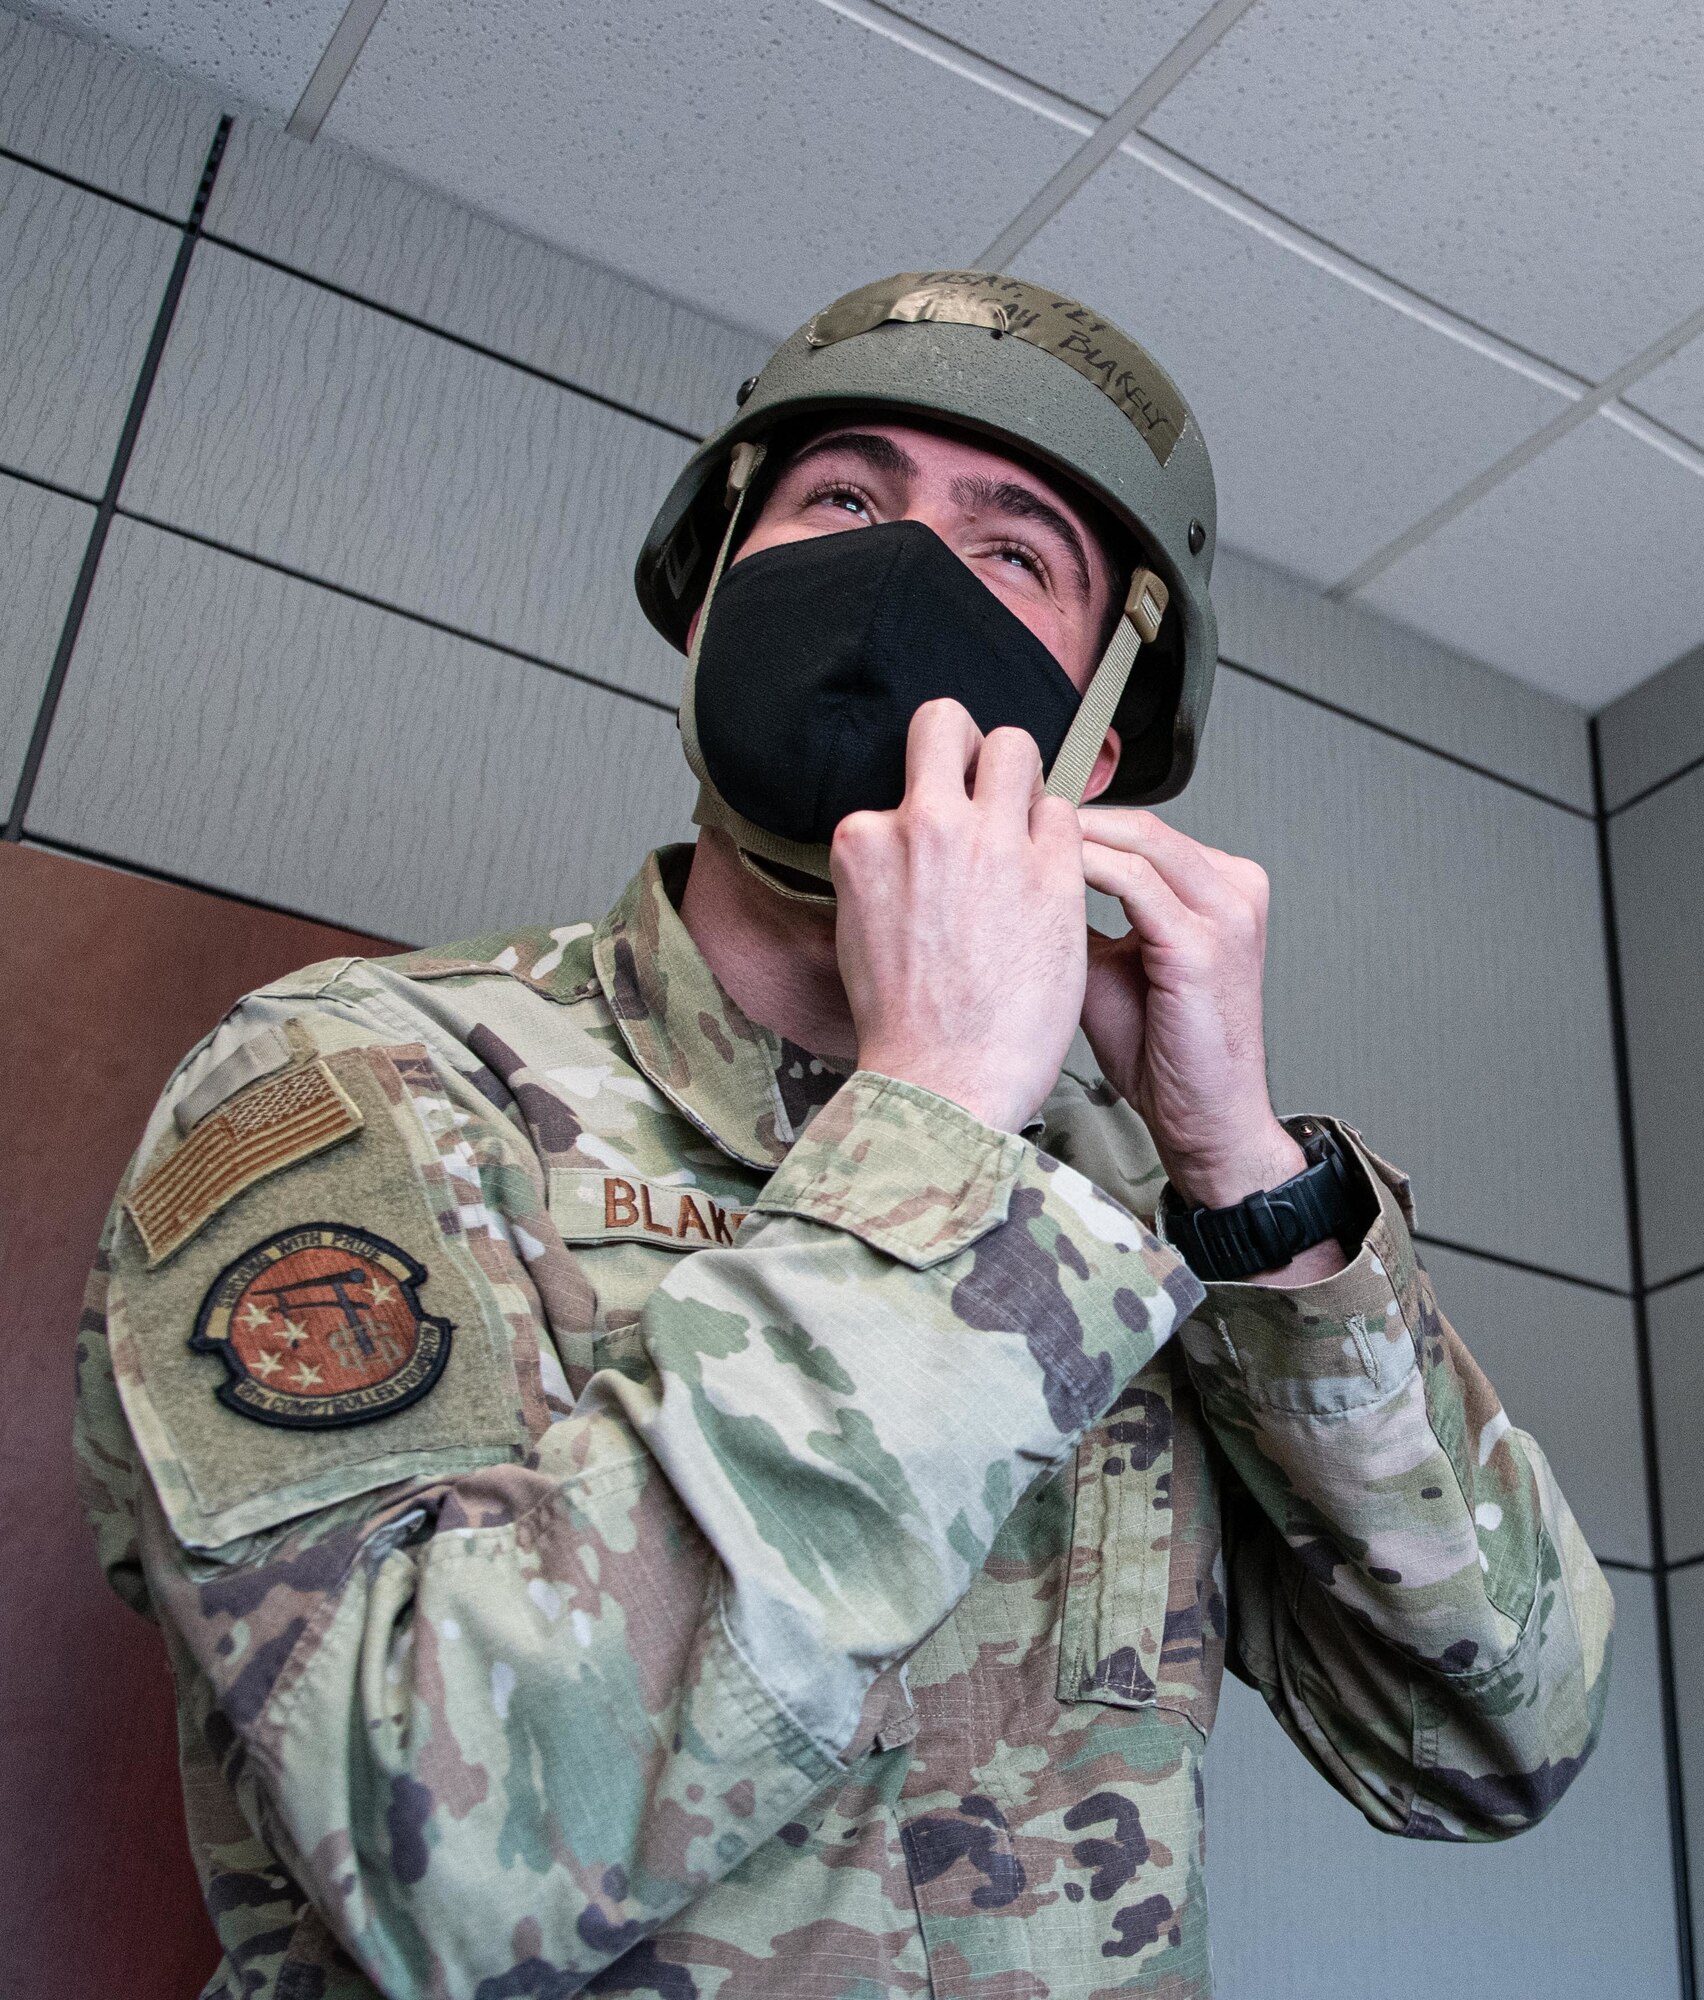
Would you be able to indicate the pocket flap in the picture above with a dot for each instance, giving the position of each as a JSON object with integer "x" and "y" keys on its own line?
{"x": 1117, "y": 1587}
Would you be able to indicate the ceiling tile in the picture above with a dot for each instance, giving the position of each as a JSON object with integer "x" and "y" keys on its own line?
{"x": 1092, "y": 51}
{"x": 1334, "y": 421}
{"x": 258, "y": 57}
{"x": 1533, "y": 167}
{"x": 1674, "y": 393}
{"x": 1580, "y": 573}
{"x": 755, "y": 158}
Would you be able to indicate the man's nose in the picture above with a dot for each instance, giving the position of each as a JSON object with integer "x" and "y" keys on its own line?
{"x": 945, "y": 517}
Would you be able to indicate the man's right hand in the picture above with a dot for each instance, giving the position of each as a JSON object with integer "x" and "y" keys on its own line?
{"x": 961, "y": 928}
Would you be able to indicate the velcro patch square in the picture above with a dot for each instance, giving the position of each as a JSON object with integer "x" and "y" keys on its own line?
{"x": 270, "y": 1125}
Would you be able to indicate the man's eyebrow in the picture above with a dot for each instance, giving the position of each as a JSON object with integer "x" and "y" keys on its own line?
{"x": 1006, "y": 496}
{"x": 879, "y": 453}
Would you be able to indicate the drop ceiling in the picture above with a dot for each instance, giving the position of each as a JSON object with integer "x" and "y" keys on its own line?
{"x": 1432, "y": 277}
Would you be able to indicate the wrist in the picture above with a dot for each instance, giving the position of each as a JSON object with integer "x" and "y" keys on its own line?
{"x": 1290, "y": 1232}
{"x": 1263, "y": 1157}
{"x": 969, "y": 1093}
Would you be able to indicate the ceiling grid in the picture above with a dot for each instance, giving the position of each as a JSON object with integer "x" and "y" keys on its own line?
{"x": 1267, "y": 191}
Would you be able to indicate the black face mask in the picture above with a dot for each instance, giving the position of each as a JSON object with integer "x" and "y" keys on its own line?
{"x": 817, "y": 654}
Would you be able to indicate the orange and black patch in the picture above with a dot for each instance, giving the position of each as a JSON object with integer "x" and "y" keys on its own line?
{"x": 320, "y": 1327}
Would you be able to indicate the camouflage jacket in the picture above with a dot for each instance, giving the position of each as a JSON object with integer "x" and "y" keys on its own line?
{"x": 633, "y": 1511}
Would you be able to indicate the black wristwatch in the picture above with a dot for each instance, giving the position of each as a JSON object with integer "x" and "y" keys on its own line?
{"x": 1264, "y": 1232}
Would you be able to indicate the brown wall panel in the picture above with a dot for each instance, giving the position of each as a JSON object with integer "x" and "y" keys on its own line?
{"x": 105, "y": 980}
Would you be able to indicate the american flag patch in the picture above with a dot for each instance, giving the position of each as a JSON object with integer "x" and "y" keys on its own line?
{"x": 270, "y": 1125}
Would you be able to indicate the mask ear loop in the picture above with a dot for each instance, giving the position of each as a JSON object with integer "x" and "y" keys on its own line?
{"x": 1144, "y": 606}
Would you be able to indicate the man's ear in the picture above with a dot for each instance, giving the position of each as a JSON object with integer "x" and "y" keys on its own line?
{"x": 692, "y": 629}
{"x": 1106, "y": 762}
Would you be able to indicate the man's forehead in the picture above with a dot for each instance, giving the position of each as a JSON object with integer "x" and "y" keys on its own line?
{"x": 917, "y": 438}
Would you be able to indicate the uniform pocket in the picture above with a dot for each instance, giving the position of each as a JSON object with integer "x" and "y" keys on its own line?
{"x": 1143, "y": 1623}
{"x": 1113, "y": 1626}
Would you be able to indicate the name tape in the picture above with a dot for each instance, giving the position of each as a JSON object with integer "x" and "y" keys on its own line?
{"x": 593, "y": 1208}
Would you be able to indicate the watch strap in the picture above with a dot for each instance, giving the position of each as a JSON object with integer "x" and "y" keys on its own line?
{"x": 1272, "y": 1226}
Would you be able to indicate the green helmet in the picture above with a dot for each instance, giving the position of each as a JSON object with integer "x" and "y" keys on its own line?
{"x": 1023, "y": 366}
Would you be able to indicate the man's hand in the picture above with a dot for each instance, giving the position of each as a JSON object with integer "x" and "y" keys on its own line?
{"x": 1173, "y": 1009}
{"x": 961, "y": 928}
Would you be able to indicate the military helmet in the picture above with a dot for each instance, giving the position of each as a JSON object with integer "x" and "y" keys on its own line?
{"x": 1032, "y": 369}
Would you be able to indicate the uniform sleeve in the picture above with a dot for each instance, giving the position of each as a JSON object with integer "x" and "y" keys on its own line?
{"x": 504, "y": 1692}
{"x": 1409, "y": 1591}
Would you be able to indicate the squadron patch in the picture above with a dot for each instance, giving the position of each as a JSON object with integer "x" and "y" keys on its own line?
{"x": 320, "y": 1327}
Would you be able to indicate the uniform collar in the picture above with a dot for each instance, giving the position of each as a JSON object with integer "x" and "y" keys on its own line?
{"x": 684, "y": 1032}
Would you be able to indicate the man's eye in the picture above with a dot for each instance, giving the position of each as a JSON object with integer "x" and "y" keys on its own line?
{"x": 847, "y": 498}
{"x": 1025, "y": 558}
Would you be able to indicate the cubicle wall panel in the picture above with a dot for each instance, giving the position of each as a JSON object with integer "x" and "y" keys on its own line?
{"x": 1309, "y": 1903}
{"x": 1399, "y": 679}
{"x": 1562, "y": 1358}
{"x": 1677, "y": 1368}
{"x": 258, "y": 56}
{"x": 262, "y": 735}
{"x": 1686, "y": 1614}
{"x": 1659, "y": 894}
{"x": 324, "y": 211}
{"x": 103, "y": 116}
{"x": 81, "y": 280}
{"x": 42, "y": 537}
{"x": 335, "y": 439}
{"x": 1653, "y": 732}
{"x": 1435, "y": 971}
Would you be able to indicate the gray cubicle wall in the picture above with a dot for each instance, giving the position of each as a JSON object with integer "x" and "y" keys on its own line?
{"x": 1652, "y": 750}
{"x": 329, "y": 610}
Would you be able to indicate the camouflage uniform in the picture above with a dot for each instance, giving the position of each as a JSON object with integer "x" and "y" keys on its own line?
{"x": 835, "y": 1609}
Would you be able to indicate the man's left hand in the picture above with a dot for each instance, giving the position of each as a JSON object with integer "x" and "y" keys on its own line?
{"x": 1173, "y": 1009}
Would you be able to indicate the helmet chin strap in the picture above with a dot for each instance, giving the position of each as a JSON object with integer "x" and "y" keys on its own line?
{"x": 1144, "y": 607}
{"x": 756, "y": 844}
